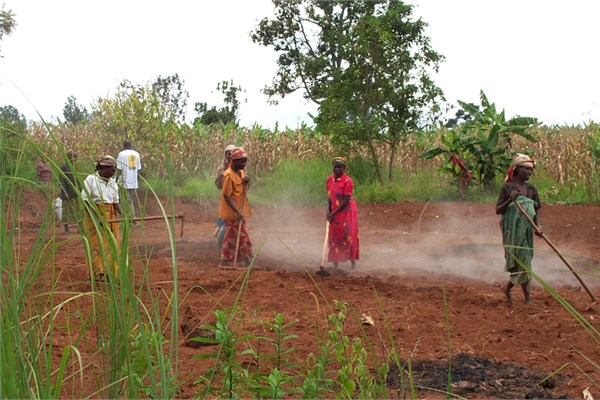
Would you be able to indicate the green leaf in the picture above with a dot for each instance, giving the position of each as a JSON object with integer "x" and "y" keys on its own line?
{"x": 205, "y": 340}
{"x": 433, "y": 153}
{"x": 493, "y": 137}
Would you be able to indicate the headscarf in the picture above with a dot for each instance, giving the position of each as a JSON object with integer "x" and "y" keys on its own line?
{"x": 339, "y": 160}
{"x": 518, "y": 160}
{"x": 106, "y": 161}
{"x": 227, "y": 157}
{"x": 237, "y": 154}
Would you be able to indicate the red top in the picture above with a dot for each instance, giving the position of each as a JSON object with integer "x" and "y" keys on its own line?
{"x": 337, "y": 189}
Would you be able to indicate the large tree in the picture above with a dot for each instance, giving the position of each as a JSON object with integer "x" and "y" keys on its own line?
{"x": 135, "y": 112}
{"x": 365, "y": 63}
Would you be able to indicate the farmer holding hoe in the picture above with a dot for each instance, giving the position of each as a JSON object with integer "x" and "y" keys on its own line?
{"x": 342, "y": 216}
{"x": 220, "y": 229}
{"x": 101, "y": 194}
{"x": 517, "y": 232}
{"x": 233, "y": 210}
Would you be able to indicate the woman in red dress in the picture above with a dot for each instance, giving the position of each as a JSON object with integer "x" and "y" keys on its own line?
{"x": 342, "y": 216}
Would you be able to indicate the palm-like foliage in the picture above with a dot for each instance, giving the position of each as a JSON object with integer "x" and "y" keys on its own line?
{"x": 485, "y": 141}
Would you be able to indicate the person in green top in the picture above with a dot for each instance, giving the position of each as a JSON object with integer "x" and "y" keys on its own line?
{"x": 517, "y": 232}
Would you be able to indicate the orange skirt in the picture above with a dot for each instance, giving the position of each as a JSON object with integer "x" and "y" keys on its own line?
{"x": 101, "y": 239}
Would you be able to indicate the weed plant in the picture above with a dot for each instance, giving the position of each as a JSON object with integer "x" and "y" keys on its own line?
{"x": 122, "y": 341}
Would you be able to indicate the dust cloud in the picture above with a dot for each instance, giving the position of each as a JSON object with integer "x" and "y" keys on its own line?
{"x": 435, "y": 242}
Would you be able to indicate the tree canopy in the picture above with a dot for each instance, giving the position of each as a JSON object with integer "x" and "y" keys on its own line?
{"x": 7, "y": 22}
{"x": 13, "y": 127}
{"x": 75, "y": 113}
{"x": 172, "y": 95}
{"x": 223, "y": 115}
{"x": 365, "y": 63}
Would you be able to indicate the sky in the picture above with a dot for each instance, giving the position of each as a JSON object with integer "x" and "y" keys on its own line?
{"x": 531, "y": 57}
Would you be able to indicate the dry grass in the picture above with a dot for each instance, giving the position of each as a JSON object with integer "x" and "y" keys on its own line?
{"x": 563, "y": 153}
{"x": 566, "y": 156}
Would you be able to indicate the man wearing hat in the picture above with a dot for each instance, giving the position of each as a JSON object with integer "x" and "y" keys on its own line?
{"x": 233, "y": 210}
{"x": 101, "y": 195}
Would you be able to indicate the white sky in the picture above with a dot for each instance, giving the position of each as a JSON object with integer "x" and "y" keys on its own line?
{"x": 531, "y": 57}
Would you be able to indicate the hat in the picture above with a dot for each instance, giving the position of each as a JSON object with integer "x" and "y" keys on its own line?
{"x": 339, "y": 160}
{"x": 230, "y": 147}
{"x": 106, "y": 161}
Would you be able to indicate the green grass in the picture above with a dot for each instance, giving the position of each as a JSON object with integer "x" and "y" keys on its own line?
{"x": 302, "y": 182}
{"x": 34, "y": 295}
{"x": 294, "y": 182}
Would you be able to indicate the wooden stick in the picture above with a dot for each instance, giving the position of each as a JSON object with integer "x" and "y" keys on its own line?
{"x": 325, "y": 244}
{"x": 239, "y": 232}
{"x": 151, "y": 218}
{"x": 558, "y": 253}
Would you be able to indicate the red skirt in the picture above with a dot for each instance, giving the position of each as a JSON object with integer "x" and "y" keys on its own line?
{"x": 343, "y": 237}
{"x": 230, "y": 240}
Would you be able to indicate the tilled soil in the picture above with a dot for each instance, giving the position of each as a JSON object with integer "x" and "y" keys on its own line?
{"x": 430, "y": 276}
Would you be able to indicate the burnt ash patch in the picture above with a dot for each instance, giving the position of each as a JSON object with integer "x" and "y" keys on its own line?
{"x": 475, "y": 377}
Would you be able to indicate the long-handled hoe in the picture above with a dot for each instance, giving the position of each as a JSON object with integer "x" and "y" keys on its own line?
{"x": 239, "y": 232}
{"x": 322, "y": 270}
{"x": 558, "y": 253}
{"x": 151, "y": 218}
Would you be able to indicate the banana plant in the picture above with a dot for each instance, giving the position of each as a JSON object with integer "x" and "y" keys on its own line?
{"x": 487, "y": 119}
{"x": 485, "y": 140}
{"x": 458, "y": 161}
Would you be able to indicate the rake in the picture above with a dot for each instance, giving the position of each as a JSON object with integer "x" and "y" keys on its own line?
{"x": 558, "y": 253}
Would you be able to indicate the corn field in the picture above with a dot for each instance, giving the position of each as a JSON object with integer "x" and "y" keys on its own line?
{"x": 569, "y": 155}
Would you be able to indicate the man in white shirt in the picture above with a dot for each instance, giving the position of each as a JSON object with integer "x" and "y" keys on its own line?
{"x": 128, "y": 164}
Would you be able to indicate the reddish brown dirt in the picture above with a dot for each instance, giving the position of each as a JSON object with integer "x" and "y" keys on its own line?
{"x": 410, "y": 253}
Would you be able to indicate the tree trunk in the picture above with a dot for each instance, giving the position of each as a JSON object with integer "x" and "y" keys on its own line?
{"x": 393, "y": 153}
{"x": 375, "y": 161}
{"x": 392, "y": 160}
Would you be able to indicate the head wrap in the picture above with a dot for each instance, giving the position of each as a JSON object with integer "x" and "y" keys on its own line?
{"x": 339, "y": 160}
{"x": 238, "y": 153}
{"x": 106, "y": 161}
{"x": 72, "y": 154}
{"x": 230, "y": 147}
{"x": 519, "y": 160}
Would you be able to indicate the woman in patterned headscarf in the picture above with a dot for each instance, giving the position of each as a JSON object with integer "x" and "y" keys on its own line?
{"x": 233, "y": 210}
{"x": 342, "y": 216}
{"x": 517, "y": 232}
{"x": 101, "y": 193}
